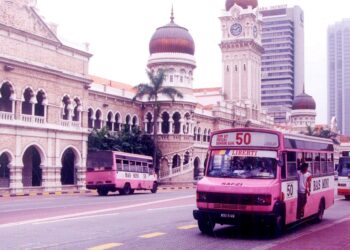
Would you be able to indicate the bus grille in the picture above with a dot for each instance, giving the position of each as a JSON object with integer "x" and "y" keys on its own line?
{"x": 238, "y": 199}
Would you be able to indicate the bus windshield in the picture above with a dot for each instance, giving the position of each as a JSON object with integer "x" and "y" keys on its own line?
{"x": 100, "y": 159}
{"x": 344, "y": 166}
{"x": 258, "y": 165}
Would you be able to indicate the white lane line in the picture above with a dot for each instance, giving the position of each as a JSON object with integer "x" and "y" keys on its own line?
{"x": 93, "y": 212}
{"x": 74, "y": 218}
{"x": 165, "y": 208}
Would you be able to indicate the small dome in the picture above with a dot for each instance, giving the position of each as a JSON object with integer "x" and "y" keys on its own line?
{"x": 304, "y": 101}
{"x": 172, "y": 38}
{"x": 243, "y": 3}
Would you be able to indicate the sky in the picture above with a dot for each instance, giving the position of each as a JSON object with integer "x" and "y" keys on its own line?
{"x": 119, "y": 31}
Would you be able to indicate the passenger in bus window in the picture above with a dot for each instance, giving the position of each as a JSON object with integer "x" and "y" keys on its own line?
{"x": 303, "y": 189}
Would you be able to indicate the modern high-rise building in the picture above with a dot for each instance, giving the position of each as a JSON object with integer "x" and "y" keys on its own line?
{"x": 339, "y": 74}
{"x": 282, "y": 60}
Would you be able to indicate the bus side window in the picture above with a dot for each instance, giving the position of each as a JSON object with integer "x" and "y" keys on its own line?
{"x": 283, "y": 167}
{"x": 323, "y": 157}
{"x": 330, "y": 163}
{"x": 126, "y": 165}
{"x": 144, "y": 167}
{"x": 308, "y": 160}
{"x": 138, "y": 167}
{"x": 119, "y": 164}
{"x": 291, "y": 165}
{"x": 317, "y": 164}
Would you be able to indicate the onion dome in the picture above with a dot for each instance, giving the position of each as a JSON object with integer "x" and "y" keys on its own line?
{"x": 304, "y": 101}
{"x": 172, "y": 38}
{"x": 243, "y": 3}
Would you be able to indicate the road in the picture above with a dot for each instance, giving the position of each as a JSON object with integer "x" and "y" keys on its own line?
{"x": 147, "y": 221}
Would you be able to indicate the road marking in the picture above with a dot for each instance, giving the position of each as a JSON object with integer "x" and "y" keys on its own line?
{"x": 105, "y": 246}
{"x": 94, "y": 212}
{"x": 151, "y": 235}
{"x": 74, "y": 218}
{"x": 187, "y": 227}
{"x": 164, "y": 208}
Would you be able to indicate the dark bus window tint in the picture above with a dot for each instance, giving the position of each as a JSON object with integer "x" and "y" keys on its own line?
{"x": 323, "y": 159}
{"x": 119, "y": 164}
{"x": 144, "y": 163}
{"x": 145, "y": 169}
{"x": 99, "y": 159}
{"x": 291, "y": 156}
{"x": 316, "y": 165}
{"x": 330, "y": 163}
{"x": 291, "y": 170}
{"x": 138, "y": 167}
{"x": 283, "y": 167}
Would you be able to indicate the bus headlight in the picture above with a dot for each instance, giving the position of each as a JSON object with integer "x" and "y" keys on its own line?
{"x": 201, "y": 197}
{"x": 263, "y": 200}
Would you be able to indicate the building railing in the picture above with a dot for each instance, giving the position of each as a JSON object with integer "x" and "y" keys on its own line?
{"x": 6, "y": 116}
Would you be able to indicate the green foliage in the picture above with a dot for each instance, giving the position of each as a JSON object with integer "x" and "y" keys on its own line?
{"x": 323, "y": 133}
{"x": 130, "y": 141}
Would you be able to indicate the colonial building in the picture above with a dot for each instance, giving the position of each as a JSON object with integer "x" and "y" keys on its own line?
{"x": 49, "y": 102}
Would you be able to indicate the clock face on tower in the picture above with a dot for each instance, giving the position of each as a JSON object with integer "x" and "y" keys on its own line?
{"x": 236, "y": 29}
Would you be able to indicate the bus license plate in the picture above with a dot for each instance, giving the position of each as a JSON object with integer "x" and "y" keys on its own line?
{"x": 231, "y": 216}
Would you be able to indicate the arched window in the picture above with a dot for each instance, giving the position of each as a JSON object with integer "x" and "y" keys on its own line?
{"x": 165, "y": 123}
{"x": 176, "y": 161}
{"x": 177, "y": 124}
{"x": 39, "y": 105}
{"x": 205, "y": 135}
{"x": 90, "y": 118}
{"x": 117, "y": 122}
{"x": 109, "y": 121}
{"x": 134, "y": 122}
{"x": 77, "y": 110}
{"x": 98, "y": 121}
{"x": 6, "y": 91}
{"x": 199, "y": 134}
{"x": 65, "y": 111}
{"x": 195, "y": 133}
{"x": 149, "y": 123}
{"x": 28, "y": 102}
{"x": 208, "y": 138}
{"x": 186, "y": 158}
{"x": 127, "y": 123}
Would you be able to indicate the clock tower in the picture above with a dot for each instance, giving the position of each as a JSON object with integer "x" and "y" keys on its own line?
{"x": 241, "y": 52}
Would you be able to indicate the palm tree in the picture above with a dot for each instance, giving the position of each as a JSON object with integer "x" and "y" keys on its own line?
{"x": 152, "y": 91}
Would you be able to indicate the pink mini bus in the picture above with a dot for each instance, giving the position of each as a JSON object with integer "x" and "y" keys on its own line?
{"x": 251, "y": 175}
{"x": 110, "y": 171}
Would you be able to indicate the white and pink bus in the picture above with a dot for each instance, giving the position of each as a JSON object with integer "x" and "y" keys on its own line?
{"x": 110, "y": 171}
{"x": 251, "y": 175}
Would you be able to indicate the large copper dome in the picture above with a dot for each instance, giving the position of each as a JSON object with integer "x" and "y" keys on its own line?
{"x": 304, "y": 101}
{"x": 243, "y": 3}
{"x": 172, "y": 38}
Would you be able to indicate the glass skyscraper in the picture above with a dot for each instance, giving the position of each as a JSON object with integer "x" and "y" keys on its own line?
{"x": 339, "y": 74}
{"x": 282, "y": 60}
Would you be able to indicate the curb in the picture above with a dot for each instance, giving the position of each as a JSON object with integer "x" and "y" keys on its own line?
{"x": 4, "y": 195}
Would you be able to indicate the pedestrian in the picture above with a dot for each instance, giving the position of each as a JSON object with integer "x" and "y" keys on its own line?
{"x": 304, "y": 188}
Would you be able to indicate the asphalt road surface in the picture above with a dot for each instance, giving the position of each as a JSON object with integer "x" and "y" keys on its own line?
{"x": 148, "y": 221}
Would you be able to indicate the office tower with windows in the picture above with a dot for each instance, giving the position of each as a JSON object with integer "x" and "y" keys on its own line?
{"x": 282, "y": 60}
{"x": 339, "y": 74}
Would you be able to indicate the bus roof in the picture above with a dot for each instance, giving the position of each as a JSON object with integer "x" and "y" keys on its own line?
{"x": 119, "y": 153}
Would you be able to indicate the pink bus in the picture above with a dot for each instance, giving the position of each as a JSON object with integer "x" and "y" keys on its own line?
{"x": 110, "y": 171}
{"x": 251, "y": 175}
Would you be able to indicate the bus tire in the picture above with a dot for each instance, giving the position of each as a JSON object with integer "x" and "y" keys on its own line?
{"x": 347, "y": 197}
{"x": 127, "y": 189}
{"x": 320, "y": 213}
{"x": 278, "y": 225}
{"x": 102, "y": 192}
{"x": 154, "y": 188}
{"x": 206, "y": 226}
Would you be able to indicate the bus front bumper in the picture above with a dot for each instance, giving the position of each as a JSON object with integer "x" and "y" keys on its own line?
{"x": 233, "y": 218}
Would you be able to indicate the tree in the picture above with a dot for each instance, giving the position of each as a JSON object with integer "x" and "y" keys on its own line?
{"x": 153, "y": 90}
{"x": 323, "y": 133}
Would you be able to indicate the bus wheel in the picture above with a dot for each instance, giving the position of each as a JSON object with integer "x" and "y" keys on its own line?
{"x": 347, "y": 197}
{"x": 154, "y": 188}
{"x": 206, "y": 226}
{"x": 127, "y": 189}
{"x": 102, "y": 192}
{"x": 279, "y": 225}
{"x": 321, "y": 208}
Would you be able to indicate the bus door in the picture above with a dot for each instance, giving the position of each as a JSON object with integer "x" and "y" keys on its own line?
{"x": 289, "y": 185}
